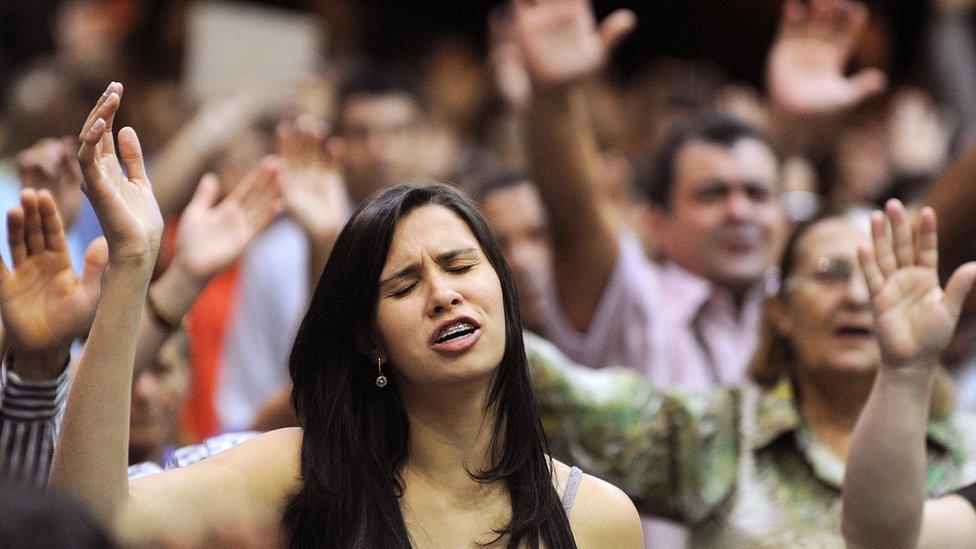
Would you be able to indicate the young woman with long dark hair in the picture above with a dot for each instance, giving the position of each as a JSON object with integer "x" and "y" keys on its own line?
{"x": 418, "y": 426}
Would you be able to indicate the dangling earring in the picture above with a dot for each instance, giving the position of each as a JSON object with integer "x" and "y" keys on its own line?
{"x": 380, "y": 378}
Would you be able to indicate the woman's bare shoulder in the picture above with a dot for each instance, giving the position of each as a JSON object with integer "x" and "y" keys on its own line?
{"x": 249, "y": 484}
{"x": 602, "y": 515}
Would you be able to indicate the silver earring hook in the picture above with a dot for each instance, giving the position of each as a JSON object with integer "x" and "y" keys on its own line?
{"x": 380, "y": 378}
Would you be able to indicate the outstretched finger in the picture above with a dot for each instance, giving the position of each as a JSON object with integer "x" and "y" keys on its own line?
{"x": 881, "y": 239}
{"x": 94, "y": 115}
{"x": 616, "y": 27}
{"x": 958, "y": 288}
{"x": 4, "y": 271}
{"x": 872, "y": 274}
{"x": 15, "y": 235}
{"x": 789, "y": 22}
{"x": 54, "y": 238}
{"x": 96, "y": 258}
{"x": 901, "y": 229}
{"x": 131, "y": 152}
{"x": 927, "y": 239}
{"x": 259, "y": 179}
{"x": 108, "y": 141}
{"x": 866, "y": 83}
{"x": 206, "y": 194}
{"x": 851, "y": 26}
{"x": 33, "y": 227}
{"x": 90, "y": 166}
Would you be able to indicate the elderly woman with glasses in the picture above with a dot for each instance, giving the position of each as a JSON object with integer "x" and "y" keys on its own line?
{"x": 750, "y": 466}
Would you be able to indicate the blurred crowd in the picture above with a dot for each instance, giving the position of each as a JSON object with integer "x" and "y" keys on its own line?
{"x": 692, "y": 237}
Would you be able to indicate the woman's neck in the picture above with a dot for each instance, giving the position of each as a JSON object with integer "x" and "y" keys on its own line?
{"x": 831, "y": 405}
{"x": 450, "y": 436}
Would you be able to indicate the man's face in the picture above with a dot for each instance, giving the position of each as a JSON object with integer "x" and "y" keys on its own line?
{"x": 157, "y": 394}
{"x": 379, "y": 135}
{"x": 725, "y": 222}
{"x": 517, "y": 217}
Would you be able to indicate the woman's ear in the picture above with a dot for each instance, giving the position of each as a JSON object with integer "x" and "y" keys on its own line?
{"x": 776, "y": 309}
{"x": 368, "y": 344}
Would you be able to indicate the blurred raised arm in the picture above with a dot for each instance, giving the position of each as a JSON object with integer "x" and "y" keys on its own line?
{"x": 884, "y": 486}
{"x": 212, "y": 235}
{"x": 91, "y": 457}
{"x": 314, "y": 193}
{"x": 562, "y": 45}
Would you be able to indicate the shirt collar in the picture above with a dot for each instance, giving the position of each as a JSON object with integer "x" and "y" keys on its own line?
{"x": 689, "y": 292}
{"x": 776, "y": 417}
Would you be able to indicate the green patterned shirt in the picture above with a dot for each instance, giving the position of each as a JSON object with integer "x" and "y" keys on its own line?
{"x": 737, "y": 465}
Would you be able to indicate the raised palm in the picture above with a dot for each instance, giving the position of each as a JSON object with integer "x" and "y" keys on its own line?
{"x": 560, "y": 40}
{"x": 43, "y": 304}
{"x": 123, "y": 201}
{"x": 914, "y": 317}
{"x": 51, "y": 164}
{"x": 806, "y": 64}
{"x": 314, "y": 191}
{"x": 212, "y": 235}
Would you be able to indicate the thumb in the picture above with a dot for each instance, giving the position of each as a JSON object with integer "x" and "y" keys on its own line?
{"x": 958, "y": 287}
{"x": 131, "y": 152}
{"x": 616, "y": 27}
{"x": 868, "y": 82}
{"x": 206, "y": 194}
{"x": 96, "y": 257}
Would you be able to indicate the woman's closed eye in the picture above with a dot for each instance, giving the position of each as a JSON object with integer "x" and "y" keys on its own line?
{"x": 403, "y": 289}
{"x": 457, "y": 269}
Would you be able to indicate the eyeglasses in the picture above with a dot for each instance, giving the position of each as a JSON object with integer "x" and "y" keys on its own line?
{"x": 827, "y": 271}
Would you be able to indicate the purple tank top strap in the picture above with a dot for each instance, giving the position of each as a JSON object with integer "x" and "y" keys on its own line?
{"x": 569, "y": 494}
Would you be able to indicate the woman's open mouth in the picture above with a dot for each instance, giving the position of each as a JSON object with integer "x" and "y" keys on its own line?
{"x": 457, "y": 337}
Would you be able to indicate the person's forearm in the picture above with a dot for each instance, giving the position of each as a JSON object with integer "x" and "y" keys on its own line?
{"x": 565, "y": 164}
{"x": 951, "y": 198}
{"x": 30, "y": 412}
{"x": 884, "y": 486}
{"x": 952, "y": 54}
{"x": 174, "y": 294}
{"x": 91, "y": 457}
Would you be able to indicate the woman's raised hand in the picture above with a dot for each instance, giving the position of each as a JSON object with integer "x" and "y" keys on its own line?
{"x": 123, "y": 201}
{"x": 914, "y": 317}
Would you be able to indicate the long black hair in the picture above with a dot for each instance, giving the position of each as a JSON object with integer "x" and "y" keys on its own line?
{"x": 356, "y": 434}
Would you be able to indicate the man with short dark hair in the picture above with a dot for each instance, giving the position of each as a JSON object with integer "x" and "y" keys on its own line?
{"x": 515, "y": 212}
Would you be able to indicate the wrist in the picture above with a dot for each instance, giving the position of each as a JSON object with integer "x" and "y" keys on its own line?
{"x": 169, "y": 298}
{"x": 915, "y": 372}
{"x": 39, "y": 364}
{"x": 181, "y": 278}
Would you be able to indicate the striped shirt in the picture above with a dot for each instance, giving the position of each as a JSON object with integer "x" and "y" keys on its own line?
{"x": 30, "y": 415}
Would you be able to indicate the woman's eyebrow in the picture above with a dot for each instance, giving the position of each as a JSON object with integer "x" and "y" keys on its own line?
{"x": 411, "y": 269}
{"x": 454, "y": 254}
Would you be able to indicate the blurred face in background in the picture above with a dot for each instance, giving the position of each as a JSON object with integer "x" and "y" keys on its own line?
{"x": 157, "y": 395}
{"x": 377, "y": 139}
{"x": 824, "y": 305}
{"x": 724, "y": 222}
{"x": 517, "y": 217}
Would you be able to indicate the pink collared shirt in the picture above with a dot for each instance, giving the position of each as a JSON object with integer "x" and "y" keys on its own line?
{"x": 677, "y": 328}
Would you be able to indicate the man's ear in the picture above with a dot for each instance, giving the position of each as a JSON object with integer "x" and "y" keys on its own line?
{"x": 776, "y": 310}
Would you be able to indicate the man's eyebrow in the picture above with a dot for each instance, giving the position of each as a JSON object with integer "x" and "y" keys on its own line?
{"x": 413, "y": 267}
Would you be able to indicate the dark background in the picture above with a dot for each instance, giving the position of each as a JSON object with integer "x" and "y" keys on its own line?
{"x": 733, "y": 33}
